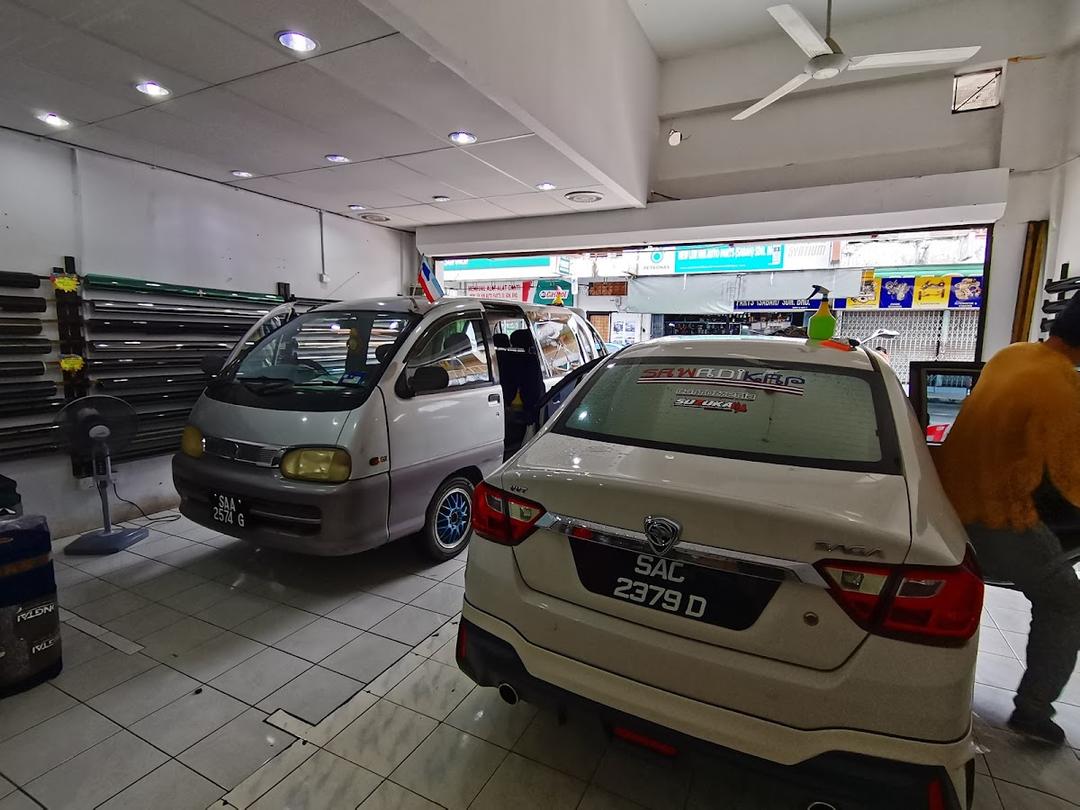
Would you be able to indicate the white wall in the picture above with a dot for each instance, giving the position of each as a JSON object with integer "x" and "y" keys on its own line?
{"x": 123, "y": 218}
{"x": 579, "y": 73}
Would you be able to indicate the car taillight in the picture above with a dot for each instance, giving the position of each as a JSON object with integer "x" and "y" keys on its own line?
{"x": 923, "y": 604}
{"x": 501, "y": 517}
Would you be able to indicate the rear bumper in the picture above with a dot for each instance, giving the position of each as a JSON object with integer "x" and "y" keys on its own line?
{"x": 871, "y": 773}
{"x": 308, "y": 518}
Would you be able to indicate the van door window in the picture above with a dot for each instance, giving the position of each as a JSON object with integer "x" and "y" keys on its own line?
{"x": 458, "y": 346}
{"x": 560, "y": 351}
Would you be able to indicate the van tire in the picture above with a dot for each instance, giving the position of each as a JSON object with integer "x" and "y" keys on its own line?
{"x": 448, "y": 523}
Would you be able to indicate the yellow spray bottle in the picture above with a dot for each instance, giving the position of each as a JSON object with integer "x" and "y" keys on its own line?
{"x": 822, "y": 325}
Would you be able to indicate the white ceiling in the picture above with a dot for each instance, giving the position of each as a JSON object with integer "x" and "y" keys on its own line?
{"x": 678, "y": 27}
{"x": 240, "y": 101}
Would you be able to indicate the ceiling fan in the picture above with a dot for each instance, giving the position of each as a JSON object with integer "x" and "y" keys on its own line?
{"x": 827, "y": 60}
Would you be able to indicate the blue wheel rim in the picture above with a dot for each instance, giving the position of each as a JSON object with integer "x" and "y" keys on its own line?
{"x": 453, "y": 518}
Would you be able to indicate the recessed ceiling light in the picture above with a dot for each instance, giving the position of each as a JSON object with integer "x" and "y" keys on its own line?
{"x": 152, "y": 89}
{"x": 545, "y": 186}
{"x": 53, "y": 120}
{"x": 441, "y": 198}
{"x": 374, "y": 218}
{"x": 337, "y": 158}
{"x": 295, "y": 41}
{"x": 462, "y": 138}
{"x": 584, "y": 196}
{"x": 357, "y": 207}
{"x": 240, "y": 173}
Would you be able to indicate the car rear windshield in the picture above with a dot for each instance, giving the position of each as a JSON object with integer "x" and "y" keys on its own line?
{"x": 800, "y": 414}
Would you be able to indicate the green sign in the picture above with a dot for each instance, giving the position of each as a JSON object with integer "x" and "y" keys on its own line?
{"x": 547, "y": 291}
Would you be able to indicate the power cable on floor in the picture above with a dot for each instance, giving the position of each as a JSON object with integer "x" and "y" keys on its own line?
{"x": 164, "y": 519}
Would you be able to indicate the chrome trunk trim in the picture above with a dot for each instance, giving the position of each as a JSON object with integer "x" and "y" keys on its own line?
{"x": 724, "y": 559}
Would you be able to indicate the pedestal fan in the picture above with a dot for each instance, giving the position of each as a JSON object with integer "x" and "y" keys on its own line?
{"x": 99, "y": 426}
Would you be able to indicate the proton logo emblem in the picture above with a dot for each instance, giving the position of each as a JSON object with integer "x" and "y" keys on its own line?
{"x": 662, "y": 534}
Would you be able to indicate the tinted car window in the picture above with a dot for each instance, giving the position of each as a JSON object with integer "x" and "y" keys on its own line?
{"x": 801, "y": 414}
{"x": 560, "y": 351}
{"x": 458, "y": 346}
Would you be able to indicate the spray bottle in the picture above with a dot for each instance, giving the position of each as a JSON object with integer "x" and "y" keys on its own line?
{"x": 822, "y": 325}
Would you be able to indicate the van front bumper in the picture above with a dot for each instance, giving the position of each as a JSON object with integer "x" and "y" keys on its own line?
{"x": 309, "y": 518}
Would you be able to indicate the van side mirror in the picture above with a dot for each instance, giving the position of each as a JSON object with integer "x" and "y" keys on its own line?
{"x": 429, "y": 378}
{"x": 211, "y": 364}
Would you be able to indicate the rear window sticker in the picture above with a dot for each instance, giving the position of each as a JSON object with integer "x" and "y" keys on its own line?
{"x": 706, "y": 404}
{"x": 735, "y": 377}
{"x": 745, "y": 396}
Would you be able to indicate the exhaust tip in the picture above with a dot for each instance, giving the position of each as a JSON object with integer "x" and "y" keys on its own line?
{"x": 509, "y": 694}
{"x": 820, "y": 806}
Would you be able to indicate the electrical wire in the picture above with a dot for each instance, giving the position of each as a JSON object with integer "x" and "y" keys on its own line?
{"x": 164, "y": 519}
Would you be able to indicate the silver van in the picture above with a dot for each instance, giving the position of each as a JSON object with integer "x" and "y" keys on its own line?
{"x": 362, "y": 422}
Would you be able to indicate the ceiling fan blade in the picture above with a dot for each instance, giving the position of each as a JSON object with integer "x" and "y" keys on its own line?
{"x": 797, "y": 82}
{"x": 800, "y": 30}
{"x": 937, "y": 56}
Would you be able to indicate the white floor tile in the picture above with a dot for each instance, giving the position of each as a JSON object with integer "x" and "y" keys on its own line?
{"x": 365, "y": 611}
{"x": 596, "y": 798}
{"x": 18, "y": 801}
{"x": 394, "y": 674}
{"x": 6, "y": 787}
{"x": 143, "y": 694}
{"x": 1014, "y": 759}
{"x": 168, "y": 583}
{"x": 389, "y": 796}
{"x": 96, "y": 774}
{"x": 83, "y": 592}
{"x": 443, "y": 598}
{"x": 170, "y": 787}
{"x": 433, "y": 689}
{"x": 135, "y": 574}
{"x": 28, "y": 755}
{"x": 409, "y": 625}
{"x": 403, "y": 588}
{"x": 365, "y": 657}
{"x": 1015, "y": 797}
{"x": 268, "y": 775}
{"x": 236, "y": 750}
{"x": 102, "y": 673}
{"x": 574, "y": 747}
{"x": 450, "y": 767}
{"x": 992, "y": 641}
{"x": 182, "y": 723}
{"x": 487, "y": 716}
{"x": 258, "y": 676}
{"x": 656, "y": 782}
{"x": 382, "y": 737}
{"x": 437, "y": 640}
{"x": 236, "y": 609}
{"x": 159, "y": 543}
{"x": 1016, "y": 621}
{"x": 999, "y": 671}
{"x": 27, "y": 709}
{"x": 318, "y": 639}
{"x": 986, "y": 795}
{"x": 323, "y": 781}
{"x": 216, "y": 656}
{"x": 520, "y": 782}
{"x": 457, "y": 578}
{"x": 312, "y": 695}
{"x": 169, "y": 642}
{"x": 275, "y": 624}
{"x": 143, "y": 622}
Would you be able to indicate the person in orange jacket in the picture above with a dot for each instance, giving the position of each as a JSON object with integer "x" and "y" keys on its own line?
{"x": 1017, "y": 432}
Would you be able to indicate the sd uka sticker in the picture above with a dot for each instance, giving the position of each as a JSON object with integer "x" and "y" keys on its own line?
{"x": 724, "y": 405}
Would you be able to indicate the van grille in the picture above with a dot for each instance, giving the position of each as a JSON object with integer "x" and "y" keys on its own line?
{"x": 261, "y": 455}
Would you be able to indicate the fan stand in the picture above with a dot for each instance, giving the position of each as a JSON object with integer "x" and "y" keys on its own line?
{"x": 109, "y": 539}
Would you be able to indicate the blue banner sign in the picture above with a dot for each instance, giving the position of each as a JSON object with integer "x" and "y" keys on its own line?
{"x": 728, "y": 258}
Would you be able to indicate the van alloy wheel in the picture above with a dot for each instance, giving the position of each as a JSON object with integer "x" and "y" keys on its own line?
{"x": 453, "y": 518}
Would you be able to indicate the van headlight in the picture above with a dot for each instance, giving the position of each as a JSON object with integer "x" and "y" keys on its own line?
{"x": 191, "y": 442}
{"x": 330, "y": 464}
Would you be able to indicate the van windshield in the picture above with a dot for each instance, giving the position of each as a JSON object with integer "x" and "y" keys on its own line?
{"x": 321, "y": 361}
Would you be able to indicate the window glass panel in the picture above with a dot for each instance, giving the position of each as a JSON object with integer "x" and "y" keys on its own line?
{"x": 458, "y": 346}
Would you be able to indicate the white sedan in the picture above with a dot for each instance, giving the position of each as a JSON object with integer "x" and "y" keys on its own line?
{"x": 738, "y": 544}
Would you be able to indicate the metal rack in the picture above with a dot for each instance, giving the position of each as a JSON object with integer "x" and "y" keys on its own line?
{"x": 1057, "y": 295}
{"x": 31, "y": 385}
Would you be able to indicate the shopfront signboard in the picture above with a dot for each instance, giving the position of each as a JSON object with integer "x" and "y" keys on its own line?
{"x": 728, "y": 258}
{"x": 496, "y": 263}
{"x": 918, "y": 292}
{"x": 543, "y": 291}
{"x": 772, "y": 305}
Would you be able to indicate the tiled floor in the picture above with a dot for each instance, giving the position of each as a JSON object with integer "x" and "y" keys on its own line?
{"x": 201, "y": 672}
